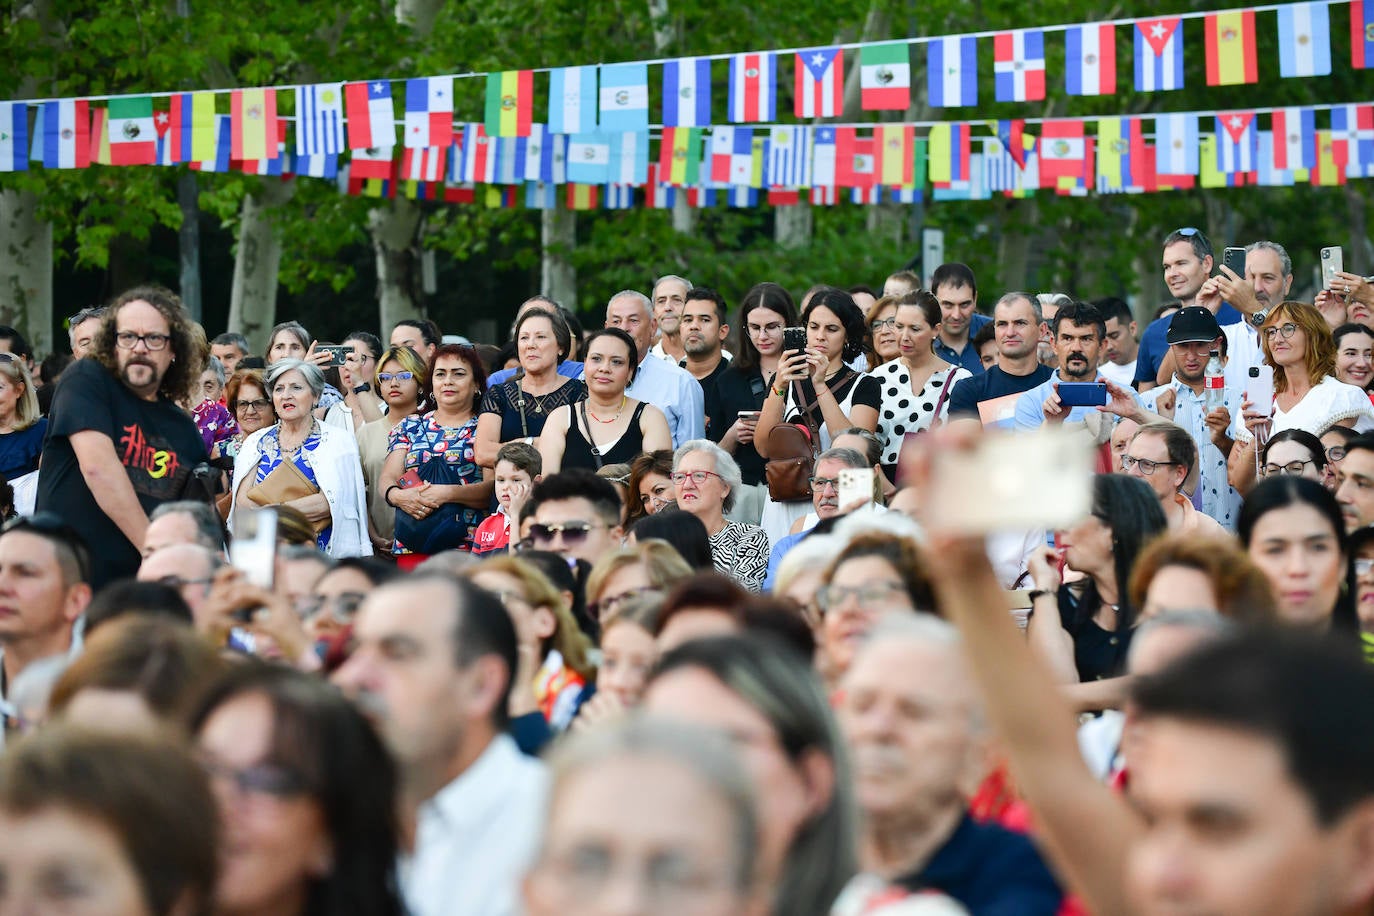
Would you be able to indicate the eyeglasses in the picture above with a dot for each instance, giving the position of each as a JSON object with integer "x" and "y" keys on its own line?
{"x": 1147, "y": 467}
{"x": 398, "y": 376}
{"x": 178, "y": 582}
{"x": 611, "y": 603}
{"x": 820, "y": 483}
{"x": 1286, "y": 330}
{"x": 883, "y": 324}
{"x": 259, "y": 404}
{"x": 697, "y": 477}
{"x": 1292, "y": 467}
{"x": 259, "y": 779}
{"x": 341, "y": 607}
{"x": 127, "y": 340}
{"x": 830, "y": 597}
{"x": 1363, "y": 567}
{"x": 85, "y": 315}
{"x": 572, "y": 533}
{"x": 1335, "y": 453}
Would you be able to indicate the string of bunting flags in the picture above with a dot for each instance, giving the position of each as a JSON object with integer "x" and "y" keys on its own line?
{"x": 596, "y": 142}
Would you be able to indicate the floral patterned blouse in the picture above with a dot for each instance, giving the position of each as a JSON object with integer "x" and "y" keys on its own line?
{"x": 423, "y": 438}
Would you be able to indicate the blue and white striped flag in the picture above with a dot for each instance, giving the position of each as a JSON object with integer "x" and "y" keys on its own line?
{"x": 572, "y": 100}
{"x": 319, "y": 119}
{"x": 789, "y": 156}
{"x": 687, "y": 92}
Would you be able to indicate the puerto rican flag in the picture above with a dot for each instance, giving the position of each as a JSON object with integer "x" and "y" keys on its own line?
{"x": 1090, "y": 60}
{"x": 1158, "y": 55}
{"x": 753, "y": 87}
{"x": 819, "y": 83}
{"x": 1236, "y": 142}
{"x": 429, "y": 112}
{"x": 1019, "y": 65}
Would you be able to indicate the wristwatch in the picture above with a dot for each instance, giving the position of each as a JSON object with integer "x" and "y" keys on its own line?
{"x": 365, "y": 386}
{"x": 1257, "y": 319}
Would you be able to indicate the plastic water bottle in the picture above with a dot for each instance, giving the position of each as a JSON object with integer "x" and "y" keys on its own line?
{"x": 1214, "y": 382}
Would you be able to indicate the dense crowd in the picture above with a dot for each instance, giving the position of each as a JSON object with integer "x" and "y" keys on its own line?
{"x": 879, "y": 601}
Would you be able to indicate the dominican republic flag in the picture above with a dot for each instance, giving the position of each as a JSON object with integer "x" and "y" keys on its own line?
{"x": 589, "y": 159}
{"x": 1090, "y": 60}
{"x": 1019, "y": 65}
{"x": 819, "y": 83}
{"x": 687, "y": 92}
{"x": 1294, "y": 138}
{"x": 319, "y": 119}
{"x": 1353, "y": 126}
{"x": 371, "y": 115}
{"x": 823, "y": 159}
{"x": 429, "y": 111}
{"x": 789, "y": 156}
{"x": 1176, "y": 144}
{"x": 66, "y": 134}
{"x": 1158, "y": 55}
{"x": 572, "y": 100}
{"x": 1236, "y": 141}
{"x": 624, "y": 98}
{"x": 753, "y": 87}
{"x": 952, "y": 71}
{"x": 14, "y": 137}
{"x": 1304, "y": 39}
{"x": 1361, "y": 34}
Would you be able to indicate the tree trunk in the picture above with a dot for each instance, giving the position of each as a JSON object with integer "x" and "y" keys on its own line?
{"x": 253, "y": 298}
{"x": 886, "y": 221}
{"x": 188, "y": 243}
{"x": 419, "y": 15}
{"x": 1361, "y": 258}
{"x": 792, "y": 225}
{"x": 1013, "y": 247}
{"x": 26, "y": 269}
{"x": 395, "y": 234}
{"x": 558, "y": 237}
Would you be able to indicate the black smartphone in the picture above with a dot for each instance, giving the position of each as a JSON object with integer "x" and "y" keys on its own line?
{"x": 1234, "y": 258}
{"x": 338, "y": 355}
{"x": 793, "y": 339}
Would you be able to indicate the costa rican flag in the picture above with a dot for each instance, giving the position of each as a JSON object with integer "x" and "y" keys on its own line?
{"x": 1090, "y": 60}
{"x": 1019, "y": 65}
{"x": 753, "y": 87}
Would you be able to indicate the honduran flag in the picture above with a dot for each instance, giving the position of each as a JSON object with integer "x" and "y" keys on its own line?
{"x": 819, "y": 83}
{"x": 14, "y": 137}
{"x": 687, "y": 92}
{"x": 1090, "y": 60}
{"x": 429, "y": 112}
{"x": 1236, "y": 141}
{"x": 1362, "y": 34}
{"x": 1176, "y": 144}
{"x": 753, "y": 87}
{"x": 1158, "y": 55}
{"x": 371, "y": 115}
{"x": 952, "y": 71}
{"x": 66, "y": 134}
{"x": 1304, "y": 39}
{"x": 572, "y": 100}
{"x": 1019, "y": 65}
{"x": 1294, "y": 141}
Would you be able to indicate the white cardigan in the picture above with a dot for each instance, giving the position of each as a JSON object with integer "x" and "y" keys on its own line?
{"x": 339, "y": 474}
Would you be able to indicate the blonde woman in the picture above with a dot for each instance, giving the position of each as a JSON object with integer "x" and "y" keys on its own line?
{"x": 401, "y": 381}
{"x": 21, "y": 428}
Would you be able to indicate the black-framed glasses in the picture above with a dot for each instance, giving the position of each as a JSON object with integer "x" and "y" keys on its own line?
{"x": 1285, "y": 330}
{"x": 398, "y": 376}
{"x": 1335, "y": 453}
{"x": 127, "y": 340}
{"x": 697, "y": 477}
{"x": 884, "y": 323}
{"x": 1292, "y": 467}
{"x": 258, "y": 404}
{"x": 1147, "y": 467}
{"x": 820, "y": 483}
{"x": 50, "y": 525}
{"x": 572, "y": 533}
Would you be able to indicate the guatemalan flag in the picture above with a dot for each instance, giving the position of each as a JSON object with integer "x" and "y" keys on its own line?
{"x": 1236, "y": 142}
{"x": 952, "y": 71}
{"x": 1090, "y": 60}
{"x": 1158, "y": 55}
{"x": 1295, "y": 138}
{"x": 753, "y": 87}
{"x": 429, "y": 112}
{"x": 687, "y": 92}
{"x": 1019, "y": 65}
{"x": 820, "y": 83}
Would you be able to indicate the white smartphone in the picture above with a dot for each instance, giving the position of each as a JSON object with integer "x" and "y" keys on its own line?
{"x": 254, "y": 548}
{"x": 1259, "y": 389}
{"x": 1014, "y": 482}
{"x": 855, "y": 484}
{"x": 1333, "y": 262}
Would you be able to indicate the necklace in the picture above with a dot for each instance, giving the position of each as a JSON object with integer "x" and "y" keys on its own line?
{"x": 619, "y": 410}
{"x": 290, "y": 451}
{"x": 537, "y": 401}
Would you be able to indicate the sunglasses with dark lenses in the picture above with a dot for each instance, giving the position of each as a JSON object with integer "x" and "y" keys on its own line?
{"x": 573, "y": 533}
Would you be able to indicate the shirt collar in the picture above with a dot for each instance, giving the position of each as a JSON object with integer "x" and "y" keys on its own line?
{"x": 466, "y": 798}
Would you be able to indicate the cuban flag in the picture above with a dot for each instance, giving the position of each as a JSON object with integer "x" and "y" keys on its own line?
{"x": 1090, "y": 60}
{"x": 1019, "y": 65}
{"x": 687, "y": 92}
{"x": 789, "y": 156}
{"x": 429, "y": 112}
{"x": 1236, "y": 142}
{"x": 14, "y": 137}
{"x": 819, "y": 83}
{"x": 952, "y": 71}
{"x": 753, "y": 87}
{"x": 162, "y": 123}
{"x": 1176, "y": 144}
{"x": 1294, "y": 138}
{"x": 1158, "y": 55}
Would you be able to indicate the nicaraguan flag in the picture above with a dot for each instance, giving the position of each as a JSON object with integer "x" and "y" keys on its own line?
{"x": 952, "y": 71}
{"x": 687, "y": 92}
{"x": 14, "y": 137}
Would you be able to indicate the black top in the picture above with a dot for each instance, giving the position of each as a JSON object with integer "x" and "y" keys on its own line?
{"x": 992, "y": 871}
{"x": 577, "y": 450}
{"x": 717, "y": 421}
{"x": 736, "y": 390}
{"x": 967, "y": 394}
{"x": 156, "y": 442}
{"x": 504, "y": 401}
{"x": 1097, "y": 653}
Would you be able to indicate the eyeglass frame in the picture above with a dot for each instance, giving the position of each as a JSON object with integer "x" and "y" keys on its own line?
{"x": 128, "y": 340}
{"x": 1269, "y": 469}
{"x": 1148, "y": 466}
{"x": 1284, "y": 331}
{"x": 678, "y": 477}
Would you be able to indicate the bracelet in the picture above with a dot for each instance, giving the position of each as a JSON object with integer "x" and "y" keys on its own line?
{"x": 386, "y": 496}
{"x": 780, "y": 392}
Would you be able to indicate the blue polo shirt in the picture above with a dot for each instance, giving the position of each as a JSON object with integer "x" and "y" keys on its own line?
{"x": 1153, "y": 343}
{"x": 969, "y": 358}
{"x": 992, "y": 871}
{"x": 1030, "y": 412}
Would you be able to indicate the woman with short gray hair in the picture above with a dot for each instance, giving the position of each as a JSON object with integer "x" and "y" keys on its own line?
{"x": 302, "y": 463}
{"x": 706, "y": 479}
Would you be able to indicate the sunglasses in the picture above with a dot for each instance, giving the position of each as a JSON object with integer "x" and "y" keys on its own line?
{"x": 572, "y": 533}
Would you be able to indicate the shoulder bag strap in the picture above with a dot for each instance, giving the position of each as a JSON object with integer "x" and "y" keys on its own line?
{"x": 519, "y": 400}
{"x": 810, "y": 421}
{"x": 591, "y": 443}
{"x": 944, "y": 393}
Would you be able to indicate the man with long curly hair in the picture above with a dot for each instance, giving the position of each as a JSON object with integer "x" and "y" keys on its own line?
{"x": 118, "y": 445}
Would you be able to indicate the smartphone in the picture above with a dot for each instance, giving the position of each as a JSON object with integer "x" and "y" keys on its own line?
{"x": 338, "y": 355}
{"x": 410, "y": 478}
{"x": 793, "y": 339}
{"x": 254, "y": 548}
{"x": 1083, "y": 394}
{"x": 751, "y": 416}
{"x": 1259, "y": 389}
{"x": 1014, "y": 482}
{"x": 855, "y": 484}
{"x": 1234, "y": 258}
{"x": 1333, "y": 262}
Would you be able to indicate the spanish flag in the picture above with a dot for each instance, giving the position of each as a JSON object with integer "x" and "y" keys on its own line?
{"x": 510, "y": 101}
{"x": 253, "y": 124}
{"x": 1231, "y": 57}
{"x": 582, "y": 196}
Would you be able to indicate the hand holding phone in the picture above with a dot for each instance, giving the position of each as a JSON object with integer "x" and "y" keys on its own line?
{"x": 1084, "y": 394}
{"x": 1234, "y": 258}
{"x": 793, "y": 340}
{"x": 1333, "y": 262}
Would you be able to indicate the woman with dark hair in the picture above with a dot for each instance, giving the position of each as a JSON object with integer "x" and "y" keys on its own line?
{"x": 914, "y": 387}
{"x": 307, "y": 796}
{"x": 1083, "y": 629}
{"x": 93, "y": 822}
{"x": 1293, "y": 451}
{"x": 682, "y": 530}
{"x": 650, "y": 487}
{"x": 431, "y": 476}
{"x": 1293, "y": 529}
{"x": 1354, "y": 355}
{"x": 770, "y": 701}
{"x": 766, "y": 309}
{"x": 517, "y": 409}
{"x": 607, "y": 426}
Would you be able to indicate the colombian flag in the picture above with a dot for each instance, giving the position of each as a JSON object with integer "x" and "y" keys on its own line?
{"x": 510, "y": 102}
{"x": 1231, "y": 57}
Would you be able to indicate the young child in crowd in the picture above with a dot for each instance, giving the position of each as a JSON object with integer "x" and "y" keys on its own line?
{"x": 518, "y": 468}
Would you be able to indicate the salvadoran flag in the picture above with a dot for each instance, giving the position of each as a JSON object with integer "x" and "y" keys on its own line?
{"x": 952, "y": 71}
{"x": 687, "y": 92}
{"x": 1090, "y": 60}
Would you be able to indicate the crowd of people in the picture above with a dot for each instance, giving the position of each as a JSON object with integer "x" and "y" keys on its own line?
{"x": 700, "y": 612}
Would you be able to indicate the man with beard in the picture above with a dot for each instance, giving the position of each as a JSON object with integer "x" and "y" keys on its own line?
{"x": 1187, "y": 264}
{"x": 703, "y": 332}
{"x": 1268, "y": 278}
{"x": 1078, "y": 334}
{"x": 118, "y": 445}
